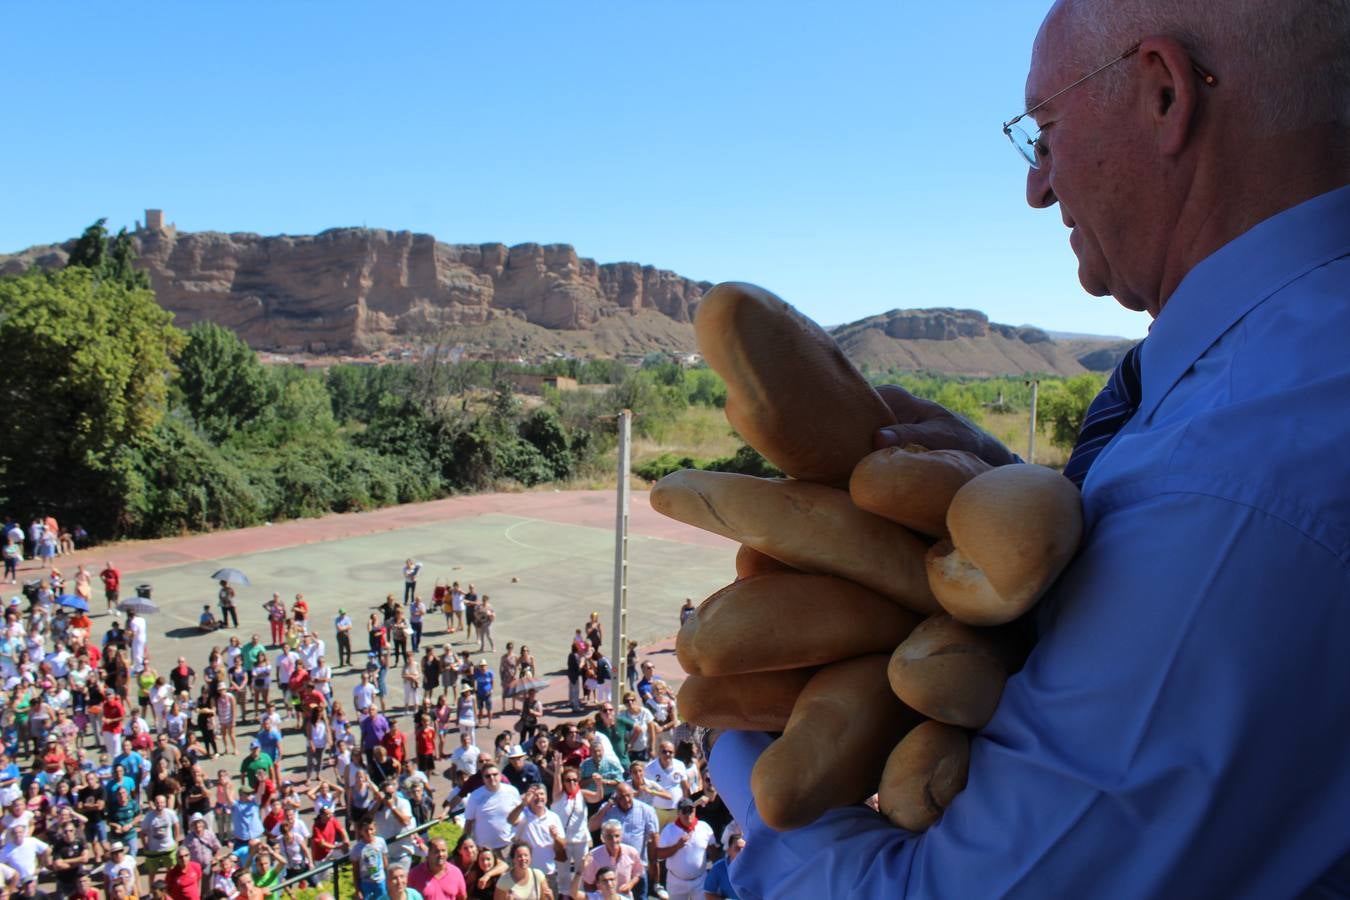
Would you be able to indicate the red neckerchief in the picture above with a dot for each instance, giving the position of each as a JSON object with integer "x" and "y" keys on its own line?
{"x": 573, "y": 792}
{"x": 693, "y": 820}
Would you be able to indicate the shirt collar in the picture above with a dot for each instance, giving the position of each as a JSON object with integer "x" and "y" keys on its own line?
{"x": 1235, "y": 279}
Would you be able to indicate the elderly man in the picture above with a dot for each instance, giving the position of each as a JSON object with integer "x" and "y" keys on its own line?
{"x": 669, "y": 774}
{"x": 1170, "y": 734}
{"x": 637, "y": 823}
{"x": 614, "y": 854}
{"x": 435, "y": 877}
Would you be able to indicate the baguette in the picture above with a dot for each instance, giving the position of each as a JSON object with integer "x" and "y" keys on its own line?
{"x": 952, "y": 672}
{"x": 750, "y": 562}
{"x": 791, "y": 392}
{"x": 828, "y": 535}
{"x": 755, "y": 701}
{"x": 786, "y": 621}
{"x": 1013, "y": 530}
{"x": 924, "y": 773}
{"x": 913, "y": 486}
{"x": 834, "y": 746}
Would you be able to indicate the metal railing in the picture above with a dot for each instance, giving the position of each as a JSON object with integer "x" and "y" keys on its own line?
{"x": 334, "y": 865}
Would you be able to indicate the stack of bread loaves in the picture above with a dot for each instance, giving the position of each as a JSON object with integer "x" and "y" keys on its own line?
{"x": 868, "y": 618}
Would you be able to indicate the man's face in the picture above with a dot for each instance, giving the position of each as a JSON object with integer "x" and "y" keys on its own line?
{"x": 667, "y": 755}
{"x": 623, "y": 797}
{"x": 398, "y": 879}
{"x": 492, "y": 778}
{"x": 1098, "y": 167}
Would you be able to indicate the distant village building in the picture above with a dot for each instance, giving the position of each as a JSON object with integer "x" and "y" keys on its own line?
{"x": 535, "y": 384}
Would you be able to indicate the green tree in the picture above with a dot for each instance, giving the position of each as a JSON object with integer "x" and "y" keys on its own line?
{"x": 91, "y": 247}
{"x": 221, "y": 382}
{"x": 1064, "y": 405}
{"x": 87, "y": 363}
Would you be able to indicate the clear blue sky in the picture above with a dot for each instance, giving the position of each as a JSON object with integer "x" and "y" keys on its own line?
{"x": 846, "y": 155}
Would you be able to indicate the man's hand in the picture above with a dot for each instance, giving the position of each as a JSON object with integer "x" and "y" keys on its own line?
{"x": 935, "y": 427}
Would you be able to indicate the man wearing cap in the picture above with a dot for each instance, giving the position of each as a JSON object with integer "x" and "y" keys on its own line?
{"x": 539, "y": 827}
{"x": 520, "y": 771}
{"x": 119, "y": 866}
{"x": 683, "y": 845}
{"x": 256, "y": 765}
{"x": 486, "y": 811}
{"x": 201, "y": 844}
{"x": 343, "y": 625}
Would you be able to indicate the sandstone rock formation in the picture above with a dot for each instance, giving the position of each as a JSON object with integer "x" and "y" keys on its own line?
{"x": 351, "y": 290}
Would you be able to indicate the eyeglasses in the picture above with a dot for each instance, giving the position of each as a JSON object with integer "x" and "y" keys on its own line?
{"x": 1029, "y": 146}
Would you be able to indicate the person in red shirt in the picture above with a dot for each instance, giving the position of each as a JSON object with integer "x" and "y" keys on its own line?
{"x": 54, "y": 759}
{"x": 112, "y": 583}
{"x": 397, "y": 746}
{"x": 425, "y": 743}
{"x": 114, "y": 711}
{"x": 276, "y": 813}
{"x": 184, "y": 879}
{"x": 326, "y": 835}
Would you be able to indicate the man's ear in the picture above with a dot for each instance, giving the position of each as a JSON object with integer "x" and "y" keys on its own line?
{"x": 1170, "y": 92}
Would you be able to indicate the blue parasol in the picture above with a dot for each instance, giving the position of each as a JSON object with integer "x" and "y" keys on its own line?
{"x": 73, "y": 601}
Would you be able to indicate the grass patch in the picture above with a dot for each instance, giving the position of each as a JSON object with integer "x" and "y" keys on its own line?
{"x": 345, "y": 888}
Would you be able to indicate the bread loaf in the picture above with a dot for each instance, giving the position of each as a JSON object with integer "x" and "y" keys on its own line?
{"x": 786, "y": 621}
{"x": 827, "y": 534}
{"x": 1013, "y": 530}
{"x": 913, "y": 486}
{"x": 926, "y": 771}
{"x": 791, "y": 392}
{"x": 755, "y": 701}
{"x": 834, "y": 746}
{"x": 750, "y": 562}
{"x": 953, "y": 672}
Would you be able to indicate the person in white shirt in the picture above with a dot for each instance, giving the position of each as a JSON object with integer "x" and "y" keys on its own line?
{"x": 569, "y": 805}
{"x": 393, "y": 815}
{"x": 486, "y": 811}
{"x": 26, "y": 855}
{"x": 540, "y": 827}
{"x": 136, "y": 628}
{"x": 683, "y": 844}
{"x": 669, "y": 774}
{"x": 363, "y": 695}
{"x": 311, "y": 648}
{"x": 465, "y": 757}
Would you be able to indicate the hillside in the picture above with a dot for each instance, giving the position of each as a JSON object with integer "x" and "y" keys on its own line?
{"x": 349, "y": 291}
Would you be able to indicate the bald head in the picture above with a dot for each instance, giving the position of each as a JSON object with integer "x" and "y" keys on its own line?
{"x": 1287, "y": 59}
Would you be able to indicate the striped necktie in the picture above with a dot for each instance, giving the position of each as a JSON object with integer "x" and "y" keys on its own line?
{"x": 1108, "y": 414}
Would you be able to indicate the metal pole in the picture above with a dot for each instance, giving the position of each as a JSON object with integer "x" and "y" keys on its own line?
{"x": 618, "y": 658}
{"x": 1031, "y": 433}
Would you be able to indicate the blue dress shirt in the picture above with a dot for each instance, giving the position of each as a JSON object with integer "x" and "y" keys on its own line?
{"x": 1176, "y": 732}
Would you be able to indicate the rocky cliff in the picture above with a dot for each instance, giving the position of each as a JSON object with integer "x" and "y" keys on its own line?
{"x": 965, "y": 342}
{"x": 350, "y": 290}
{"x": 353, "y": 289}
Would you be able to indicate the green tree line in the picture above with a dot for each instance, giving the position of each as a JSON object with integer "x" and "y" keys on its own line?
{"x": 132, "y": 427}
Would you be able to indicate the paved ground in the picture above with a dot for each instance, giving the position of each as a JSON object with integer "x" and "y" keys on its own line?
{"x": 557, "y": 546}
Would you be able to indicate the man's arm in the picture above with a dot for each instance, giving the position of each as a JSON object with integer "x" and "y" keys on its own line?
{"x": 1135, "y": 754}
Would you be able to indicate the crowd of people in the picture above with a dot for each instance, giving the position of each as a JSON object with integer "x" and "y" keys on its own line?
{"x": 114, "y": 782}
